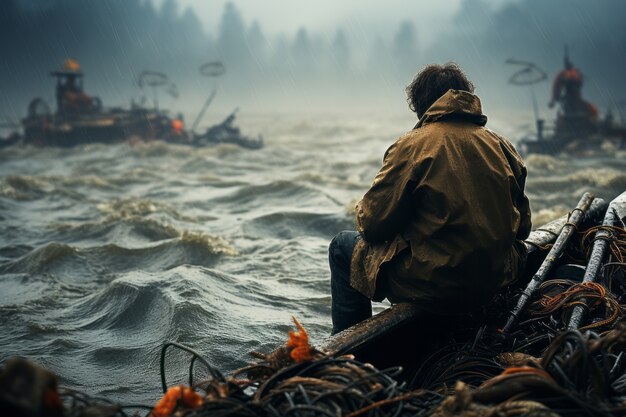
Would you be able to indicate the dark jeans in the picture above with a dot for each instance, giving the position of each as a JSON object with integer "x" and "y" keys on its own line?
{"x": 348, "y": 305}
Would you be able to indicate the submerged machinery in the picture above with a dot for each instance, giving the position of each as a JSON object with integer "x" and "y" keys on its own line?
{"x": 81, "y": 119}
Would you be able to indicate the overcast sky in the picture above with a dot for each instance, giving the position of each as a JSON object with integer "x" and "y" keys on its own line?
{"x": 357, "y": 16}
{"x": 480, "y": 39}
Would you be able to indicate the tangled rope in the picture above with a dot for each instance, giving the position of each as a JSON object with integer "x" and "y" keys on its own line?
{"x": 617, "y": 248}
{"x": 326, "y": 386}
{"x": 559, "y": 295}
{"x": 579, "y": 374}
{"x": 76, "y": 403}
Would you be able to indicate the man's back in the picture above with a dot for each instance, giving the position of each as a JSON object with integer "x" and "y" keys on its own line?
{"x": 442, "y": 222}
{"x": 447, "y": 231}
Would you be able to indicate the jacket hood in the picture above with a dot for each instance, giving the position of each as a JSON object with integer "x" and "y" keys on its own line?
{"x": 455, "y": 104}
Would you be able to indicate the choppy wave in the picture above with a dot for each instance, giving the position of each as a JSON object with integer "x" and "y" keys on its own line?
{"x": 600, "y": 178}
{"x": 536, "y": 162}
{"x": 84, "y": 180}
{"x": 64, "y": 260}
{"x": 39, "y": 259}
{"x": 133, "y": 230}
{"x": 23, "y": 187}
{"x": 108, "y": 251}
{"x": 350, "y": 181}
{"x": 135, "y": 207}
{"x": 289, "y": 225}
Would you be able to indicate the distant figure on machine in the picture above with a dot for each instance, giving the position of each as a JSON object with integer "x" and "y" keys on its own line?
{"x": 442, "y": 224}
{"x": 567, "y": 90}
{"x": 71, "y": 99}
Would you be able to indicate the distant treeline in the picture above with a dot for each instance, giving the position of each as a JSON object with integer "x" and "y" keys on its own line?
{"x": 116, "y": 39}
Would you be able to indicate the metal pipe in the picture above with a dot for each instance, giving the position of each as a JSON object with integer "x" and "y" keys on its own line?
{"x": 555, "y": 253}
{"x": 615, "y": 215}
{"x": 601, "y": 242}
{"x": 203, "y": 110}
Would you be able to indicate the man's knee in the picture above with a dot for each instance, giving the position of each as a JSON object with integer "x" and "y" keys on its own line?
{"x": 341, "y": 246}
{"x": 342, "y": 238}
{"x": 345, "y": 239}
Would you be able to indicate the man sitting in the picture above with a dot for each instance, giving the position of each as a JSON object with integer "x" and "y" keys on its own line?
{"x": 442, "y": 224}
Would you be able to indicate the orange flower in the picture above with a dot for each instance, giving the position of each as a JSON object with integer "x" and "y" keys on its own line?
{"x": 175, "y": 396}
{"x": 299, "y": 341}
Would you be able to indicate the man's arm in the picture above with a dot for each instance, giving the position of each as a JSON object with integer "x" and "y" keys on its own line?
{"x": 521, "y": 202}
{"x": 385, "y": 207}
{"x": 523, "y": 205}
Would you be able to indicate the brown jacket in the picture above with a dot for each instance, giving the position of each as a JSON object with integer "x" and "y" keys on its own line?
{"x": 442, "y": 218}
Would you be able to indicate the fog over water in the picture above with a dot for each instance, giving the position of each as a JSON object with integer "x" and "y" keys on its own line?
{"x": 107, "y": 251}
{"x": 313, "y": 57}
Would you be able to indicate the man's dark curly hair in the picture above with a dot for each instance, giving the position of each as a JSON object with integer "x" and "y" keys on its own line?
{"x": 432, "y": 82}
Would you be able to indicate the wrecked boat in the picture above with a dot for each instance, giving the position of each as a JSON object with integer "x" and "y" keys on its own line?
{"x": 224, "y": 132}
{"x": 81, "y": 119}
{"x": 578, "y": 128}
{"x": 576, "y": 135}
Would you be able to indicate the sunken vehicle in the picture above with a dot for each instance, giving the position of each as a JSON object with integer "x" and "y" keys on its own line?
{"x": 81, "y": 119}
{"x": 578, "y": 128}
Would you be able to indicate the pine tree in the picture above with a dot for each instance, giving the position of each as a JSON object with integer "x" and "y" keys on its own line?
{"x": 302, "y": 51}
{"x": 405, "y": 49}
{"x": 231, "y": 42}
{"x": 257, "y": 44}
{"x": 341, "y": 51}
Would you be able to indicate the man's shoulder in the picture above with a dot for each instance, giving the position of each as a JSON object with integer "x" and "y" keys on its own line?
{"x": 429, "y": 134}
{"x": 415, "y": 135}
{"x": 506, "y": 145}
{"x": 407, "y": 144}
{"x": 432, "y": 134}
{"x": 406, "y": 139}
{"x": 503, "y": 140}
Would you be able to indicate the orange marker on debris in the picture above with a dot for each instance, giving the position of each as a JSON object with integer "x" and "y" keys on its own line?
{"x": 178, "y": 396}
{"x": 299, "y": 341}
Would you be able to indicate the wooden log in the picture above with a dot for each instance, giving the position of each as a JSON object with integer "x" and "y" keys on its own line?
{"x": 370, "y": 330}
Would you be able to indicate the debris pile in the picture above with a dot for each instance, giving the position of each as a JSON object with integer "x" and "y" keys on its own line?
{"x": 579, "y": 374}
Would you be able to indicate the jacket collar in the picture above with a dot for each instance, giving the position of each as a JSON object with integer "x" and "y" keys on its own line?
{"x": 455, "y": 104}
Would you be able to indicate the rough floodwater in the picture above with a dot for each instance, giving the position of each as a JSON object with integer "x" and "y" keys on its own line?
{"x": 106, "y": 252}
